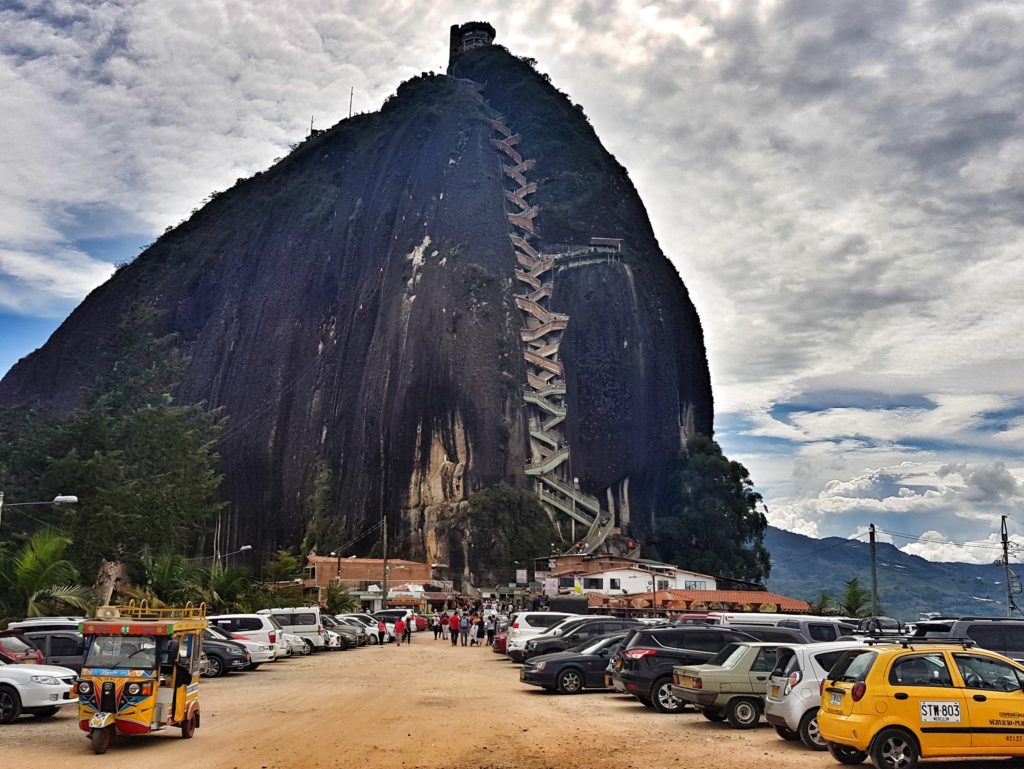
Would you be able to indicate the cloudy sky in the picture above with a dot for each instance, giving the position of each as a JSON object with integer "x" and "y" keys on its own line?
{"x": 840, "y": 185}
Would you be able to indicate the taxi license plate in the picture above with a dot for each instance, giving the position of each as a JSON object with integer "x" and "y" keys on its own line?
{"x": 835, "y": 698}
{"x": 775, "y": 692}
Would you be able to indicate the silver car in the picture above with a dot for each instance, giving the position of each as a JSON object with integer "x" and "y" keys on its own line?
{"x": 794, "y": 689}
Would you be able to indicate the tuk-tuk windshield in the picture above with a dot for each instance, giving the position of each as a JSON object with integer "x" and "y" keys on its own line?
{"x": 117, "y": 651}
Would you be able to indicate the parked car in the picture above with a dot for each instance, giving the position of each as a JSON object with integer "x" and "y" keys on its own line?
{"x": 898, "y": 703}
{"x": 573, "y": 670}
{"x": 500, "y": 641}
{"x": 819, "y": 628}
{"x": 527, "y": 625}
{"x": 250, "y": 627}
{"x": 772, "y": 633}
{"x": 643, "y": 666}
{"x": 730, "y": 686}
{"x": 293, "y": 644}
{"x": 362, "y": 628}
{"x": 38, "y": 690}
{"x": 222, "y": 657}
{"x": 258, "y": 652}
{"x": 16, "y": 648}
{"x": 573, "y": 632}
{"x": 303, "y": 621}
{"x": 794, "y": 695}
{"x": 47, "y": 623}
{"x": 348, "y": 636}
{"x": 997, "y": 634}
{"x": 63, "y": 648}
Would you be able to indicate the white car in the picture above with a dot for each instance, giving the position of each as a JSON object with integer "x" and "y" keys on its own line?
{"x": 249, "y": 627}
{"x": 294, "y": 644}
{"x": 527, "y": 625}
{"x": 39, "y": 690}
{"x": 258, "y": 652}
{"x": 794, "y": 689}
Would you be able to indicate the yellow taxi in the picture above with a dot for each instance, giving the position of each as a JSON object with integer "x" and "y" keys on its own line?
{"x": 899, "y": 702}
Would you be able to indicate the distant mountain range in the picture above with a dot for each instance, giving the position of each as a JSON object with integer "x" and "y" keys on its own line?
{"x": 804, "y": 567}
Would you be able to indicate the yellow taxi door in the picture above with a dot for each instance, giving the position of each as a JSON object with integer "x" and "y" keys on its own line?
{"x": 995, "y": 701}
{"x": 925, "y": 699}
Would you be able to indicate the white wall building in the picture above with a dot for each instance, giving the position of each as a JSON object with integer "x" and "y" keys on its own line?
{"x": 630, "y": 580}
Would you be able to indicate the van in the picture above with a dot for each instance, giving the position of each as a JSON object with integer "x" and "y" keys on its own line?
{"x": 303, "y": 621}
{"x": 252, "y": 627}
{"x": 818, "y": 629}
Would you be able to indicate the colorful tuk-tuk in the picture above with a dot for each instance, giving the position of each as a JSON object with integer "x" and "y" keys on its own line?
{"x": 141, "y": 671}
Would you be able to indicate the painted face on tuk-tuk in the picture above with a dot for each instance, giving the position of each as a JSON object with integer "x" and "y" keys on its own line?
{"x": 119, "y": 677}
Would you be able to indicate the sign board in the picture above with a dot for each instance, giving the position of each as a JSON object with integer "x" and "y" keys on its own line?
{"x": 551, "y": 586}
{"x": 520, "y": 576}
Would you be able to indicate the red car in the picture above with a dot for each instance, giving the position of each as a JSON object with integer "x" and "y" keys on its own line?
{"x": 15, "y": 648}
{"x": 500, "y": 640}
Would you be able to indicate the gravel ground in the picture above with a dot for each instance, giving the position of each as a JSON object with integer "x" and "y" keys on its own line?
{"x": 428, "y": 706}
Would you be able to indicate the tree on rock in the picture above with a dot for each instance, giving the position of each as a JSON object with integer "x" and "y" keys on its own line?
{"x": 716, "y": 521}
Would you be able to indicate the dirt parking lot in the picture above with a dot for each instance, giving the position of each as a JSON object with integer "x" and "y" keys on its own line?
{"x": 427, "y": 706}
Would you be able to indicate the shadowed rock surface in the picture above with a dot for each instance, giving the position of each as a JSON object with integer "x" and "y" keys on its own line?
{"x": 352, "y": 309}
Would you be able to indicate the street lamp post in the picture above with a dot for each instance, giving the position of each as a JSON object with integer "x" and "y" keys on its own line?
{"x": 60, "y": 499}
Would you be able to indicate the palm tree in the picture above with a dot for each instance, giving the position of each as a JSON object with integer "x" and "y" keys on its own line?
{"x": 38, "y": 580}
{"x": 338, "y": 599}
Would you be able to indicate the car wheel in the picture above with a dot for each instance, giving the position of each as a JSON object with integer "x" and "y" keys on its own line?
{"x": 307, "y": 647}
{"x": 10, "y": 705}
{"x": 99, "y": 739}
{"x": 809, "y": 734}
{"x": 214, "y": 666}
{"x": 570, "y": 682}
{"x": 715, "y": 715}
{"x": 844, "y": 754}
{"x": 663, "y": 699}
{"x": 894, "y": 749}
{"x": 742, "y": 713}
{"x": 46, "y": 712}
{"x": 188, "y": 727}
{"x": 787, "y": 734}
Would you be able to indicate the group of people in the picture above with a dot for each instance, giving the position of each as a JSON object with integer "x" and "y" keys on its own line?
{"x": 469, "y": 627}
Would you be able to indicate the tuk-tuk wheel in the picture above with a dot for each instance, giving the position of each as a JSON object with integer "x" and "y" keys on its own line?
{"x": 100, "y": 739}
{"x": 188, "y": 727}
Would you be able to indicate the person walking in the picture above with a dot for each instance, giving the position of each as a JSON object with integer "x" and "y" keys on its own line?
{"x": 435, "y": 625}
{"x": 492, "y": 627}
{"x": 444, "y": 625}
{"x": 453, "y": 628}
{"x": 382, "y": 632}
{"x": 464, "y": 629}
{"x": 399, "y": 631}
{"x": 409, "y": 620}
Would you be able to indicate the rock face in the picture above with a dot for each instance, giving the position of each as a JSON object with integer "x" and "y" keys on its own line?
{"x": 354, "y": 309}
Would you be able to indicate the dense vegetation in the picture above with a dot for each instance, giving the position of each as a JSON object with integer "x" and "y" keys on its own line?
{"x": 716, "y": 523}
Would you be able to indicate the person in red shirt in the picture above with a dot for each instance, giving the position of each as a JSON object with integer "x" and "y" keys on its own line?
{"x": 453, "y": 628}
{"x": 399, "y": 631}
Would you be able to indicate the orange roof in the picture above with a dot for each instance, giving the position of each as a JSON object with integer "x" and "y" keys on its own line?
{"x": 702, "y": 600}
{"x": 361, "y": 561}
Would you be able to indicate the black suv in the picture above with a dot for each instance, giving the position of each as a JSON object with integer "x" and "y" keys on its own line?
{"x": 224, "y": 656}
{"x": 643, "y": 666}
{"x": 575, "y": 632}
{"x": 997, "y": 634}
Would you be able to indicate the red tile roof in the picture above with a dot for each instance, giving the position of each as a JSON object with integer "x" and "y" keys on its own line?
{"x": 706, "y": 600}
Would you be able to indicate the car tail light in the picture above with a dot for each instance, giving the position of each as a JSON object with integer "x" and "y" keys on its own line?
{"x": 794, "y": 678}
{"x": 515, "y": 625}
{"x": 859, "y": 690}
{"x": 273, "y": 637}
{"x": 635, "y": 654}
{"x": 821, "y": 688}
{"x": 697, "y": 684}
{"x": 675, "y": 679}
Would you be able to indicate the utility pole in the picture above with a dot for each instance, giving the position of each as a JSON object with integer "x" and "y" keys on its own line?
{"x": 351, "y": 90}
{"x": 1, "y": 507}
{"x": 874, "y": 571}
{"x": 1006, "y": 567}
{"x": 384, "y": 528}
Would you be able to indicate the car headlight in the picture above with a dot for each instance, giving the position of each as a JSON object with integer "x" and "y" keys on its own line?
{"x": 84, "y": 687}
{"x": 539, "y": 666}
{"x": 134, "y": 688}
{"x": 46, "y": 680}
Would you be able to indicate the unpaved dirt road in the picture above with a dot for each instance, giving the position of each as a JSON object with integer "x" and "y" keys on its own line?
{"x": 428, "y": 706}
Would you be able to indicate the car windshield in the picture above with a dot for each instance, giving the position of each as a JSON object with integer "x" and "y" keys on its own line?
{"x": 11, "y": 643}
{"x": 722, "y": 656}
{"x": 116, "y": 651}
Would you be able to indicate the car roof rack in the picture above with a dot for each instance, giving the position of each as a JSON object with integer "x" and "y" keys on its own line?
{"x": 908, "y": 642}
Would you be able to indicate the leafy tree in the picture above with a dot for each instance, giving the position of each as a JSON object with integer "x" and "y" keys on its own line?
{"x": 338, "y": 599}
{"x": 38, "y": 580}
{"x": 716, "y": 522}
{"x": 856, "y": 600}
{"x": 823, "y": 604}
{"x": 283, "y": 567}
